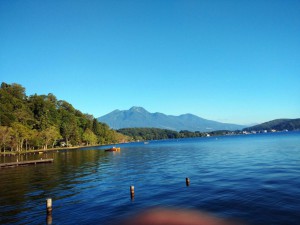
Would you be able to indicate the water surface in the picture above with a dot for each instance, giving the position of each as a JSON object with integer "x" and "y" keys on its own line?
{"x": 253, "y": 178}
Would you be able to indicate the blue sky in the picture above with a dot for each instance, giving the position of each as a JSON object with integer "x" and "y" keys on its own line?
{"x": 232, "y": 61}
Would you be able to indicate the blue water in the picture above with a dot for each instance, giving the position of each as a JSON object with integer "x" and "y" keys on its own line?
{"x": 252, "y": 178}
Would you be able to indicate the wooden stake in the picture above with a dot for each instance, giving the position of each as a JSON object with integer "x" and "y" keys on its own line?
{"x": 132, "y": 192}
{"x": 187, "y": 181}
{"x": 49, "y": 205}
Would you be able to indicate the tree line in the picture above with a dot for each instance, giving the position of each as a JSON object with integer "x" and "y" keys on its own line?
{"x": 42, "y": 121}
{"x": 143, "y": 134}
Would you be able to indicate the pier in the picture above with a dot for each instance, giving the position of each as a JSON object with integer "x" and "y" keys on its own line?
{"x": 25, "y": 163}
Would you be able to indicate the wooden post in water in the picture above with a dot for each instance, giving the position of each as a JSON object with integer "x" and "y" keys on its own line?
{"x": 49, "y": 210}
{"x": 49, "y": 205}
{"x": 132, "y": 192}
{"x": 187, "y": 181}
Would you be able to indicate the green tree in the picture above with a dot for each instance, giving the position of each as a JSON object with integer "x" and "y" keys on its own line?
{"x": 36, "y": 140}
{"x": 89, "y": 137}
{"x": 20, "y": 135}
{"x": 12, "y": 98}
{"x": 40, "y": 111}
{"x": 38, "y": 120}
{"x": 5, "y": 137}
{"x": 49, "y": 136}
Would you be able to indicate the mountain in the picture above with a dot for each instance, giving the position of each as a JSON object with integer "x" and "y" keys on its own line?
{"x": 139, "y": 117}
{"x": 279, "y": 124}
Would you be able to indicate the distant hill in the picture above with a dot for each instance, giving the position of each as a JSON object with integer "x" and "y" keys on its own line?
{"x": 279, "y": 124}
{"x": 139, "y": 117}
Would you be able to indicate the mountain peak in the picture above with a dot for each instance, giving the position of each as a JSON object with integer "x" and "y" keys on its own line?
{"x": 139, "y": 117}
{"x": 138, "y": 109}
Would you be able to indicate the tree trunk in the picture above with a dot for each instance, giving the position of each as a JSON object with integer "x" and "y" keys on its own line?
{"x": 21, "y": 144}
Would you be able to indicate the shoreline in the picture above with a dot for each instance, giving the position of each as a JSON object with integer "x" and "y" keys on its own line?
{"x": 47, "y": 150}
{"x": 8, "y": 153}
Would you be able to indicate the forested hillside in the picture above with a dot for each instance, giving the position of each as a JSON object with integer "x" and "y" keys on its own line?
{"x": 42, "y": 121}
{"x": 278, "y": 125}
{"x": 143, "y": 134}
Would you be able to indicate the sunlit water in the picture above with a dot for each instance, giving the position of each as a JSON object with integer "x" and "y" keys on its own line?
{"x": 252, "y": 178}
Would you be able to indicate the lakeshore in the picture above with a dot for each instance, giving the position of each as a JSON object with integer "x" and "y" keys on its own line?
{"x": 40, "y": 151}
{"x": 205, "y": 135}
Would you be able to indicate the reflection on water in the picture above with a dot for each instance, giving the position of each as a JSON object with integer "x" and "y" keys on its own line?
{"x": 254, "y": 178}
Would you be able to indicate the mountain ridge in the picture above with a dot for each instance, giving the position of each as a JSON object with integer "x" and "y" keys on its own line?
{"x": 139, "y": 117}
{"x": 277, "y": 124}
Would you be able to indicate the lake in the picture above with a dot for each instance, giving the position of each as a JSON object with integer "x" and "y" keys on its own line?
{"x": 252, "y": 178}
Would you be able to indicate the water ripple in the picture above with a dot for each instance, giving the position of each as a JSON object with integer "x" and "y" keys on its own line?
{"x": 250, "y": 178}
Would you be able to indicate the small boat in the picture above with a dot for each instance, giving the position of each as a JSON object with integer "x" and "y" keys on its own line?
{"x": 113, "y": 149}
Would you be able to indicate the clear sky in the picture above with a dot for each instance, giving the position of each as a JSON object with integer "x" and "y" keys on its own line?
{"x": 232, "y": 61}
